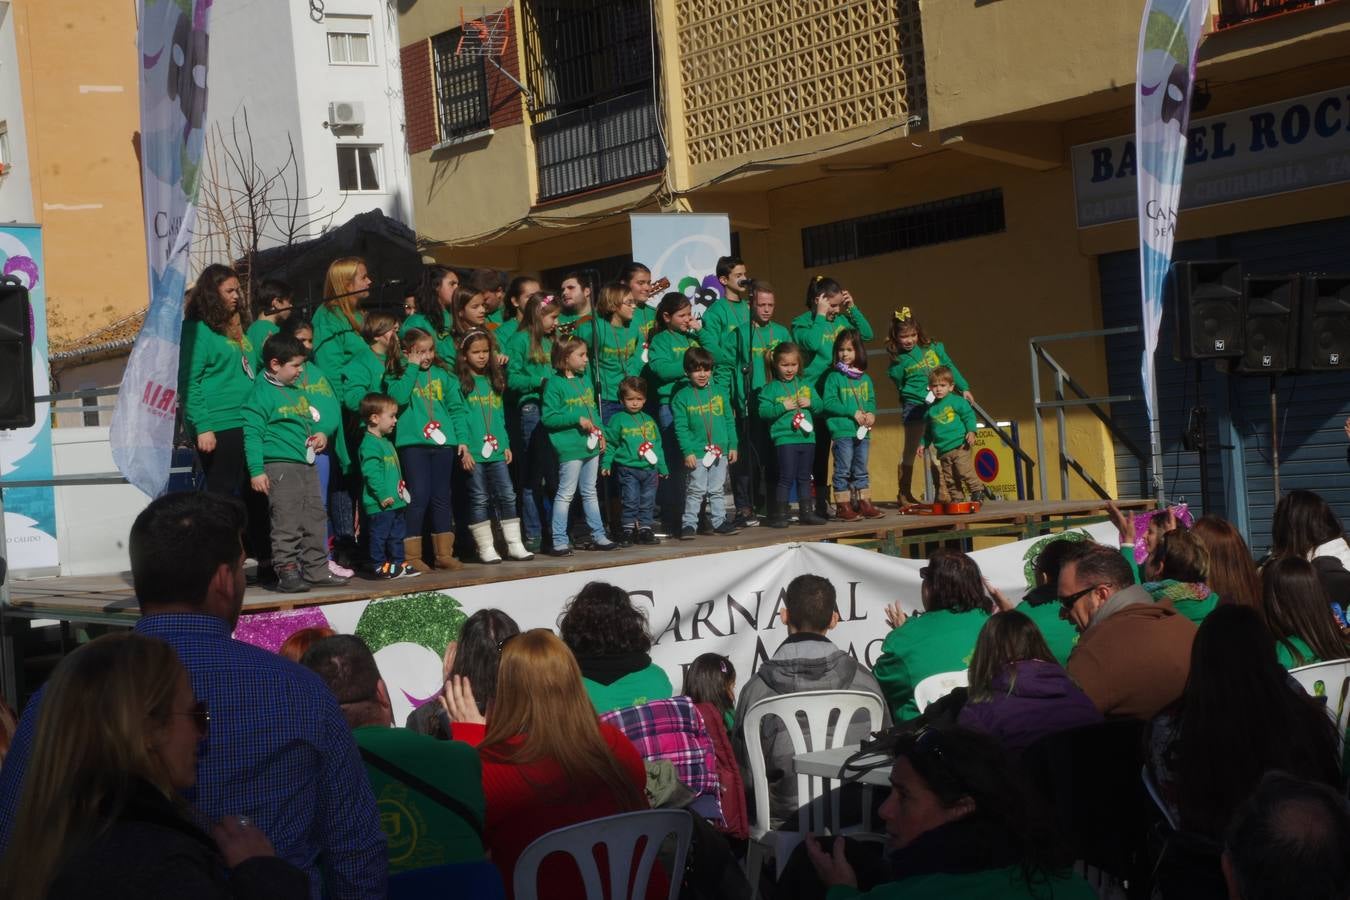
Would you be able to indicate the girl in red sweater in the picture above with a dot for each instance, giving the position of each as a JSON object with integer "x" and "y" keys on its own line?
{"x": 549, "y": 763}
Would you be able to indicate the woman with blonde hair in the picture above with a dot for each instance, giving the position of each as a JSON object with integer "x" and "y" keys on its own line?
{"x": 100, "y": 814}
{"x": 337, "y": 323}
{"x": 548, "y": 762}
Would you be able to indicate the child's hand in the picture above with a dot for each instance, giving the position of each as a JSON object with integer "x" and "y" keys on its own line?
{"x": 604, "y": 473}
{"x": 319, "y": 442}
{"x": 732, "y": 456}
{"x": 895, "y": 616}
{"x": 261, "y": 484}
{"x": 1123, "y": 521}
{"x": 846, "y": 302}
{"x": 804, "y": 402}
{"x": 970, "y": 439}
{"x": 871, "y": 420}
{"x": 466, "y": 458}
{"x": 860, "y": 417}
{"x": 789, "y": 403}
{"x": 822, "y": 305}
{"x": 970, "y": 398}
{"x": 586, "y": 424}
{"x": 386, "y": 502}
{"x": 503, "y": 360}
{"x": 690, "y": 462}
{"x": 508, "y": 457}
{"x": 601, "y": 445}
{"x": 920, "y": 452}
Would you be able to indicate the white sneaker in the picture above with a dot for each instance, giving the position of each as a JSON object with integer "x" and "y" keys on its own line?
{"x": 339, "y": 570}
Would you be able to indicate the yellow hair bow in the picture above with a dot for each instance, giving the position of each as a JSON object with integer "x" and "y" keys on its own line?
{"x": 819, "y": 279}
{"x": 903, "y": 314}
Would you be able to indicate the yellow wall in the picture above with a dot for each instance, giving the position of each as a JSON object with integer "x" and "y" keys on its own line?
{"x": 77, "y": 61}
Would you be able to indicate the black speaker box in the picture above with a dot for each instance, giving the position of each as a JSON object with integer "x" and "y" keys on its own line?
{"x": 1208, "y": 308}
{"x": 1270, "y": 326}
{"x": 1324, "y": 331}
{"x": 16, "y": 357}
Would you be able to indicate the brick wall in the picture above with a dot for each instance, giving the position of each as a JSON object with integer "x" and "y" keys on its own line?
{"x": 419, "y": 96}
{"x": 504, "y": 104}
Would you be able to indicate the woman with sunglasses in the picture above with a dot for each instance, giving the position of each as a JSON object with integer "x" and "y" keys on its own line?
{"x": 961, "y": 824}
{"x": 101, "y": 814}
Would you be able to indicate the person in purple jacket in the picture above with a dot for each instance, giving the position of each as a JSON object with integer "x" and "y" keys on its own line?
{"x": 1017, "y": 692}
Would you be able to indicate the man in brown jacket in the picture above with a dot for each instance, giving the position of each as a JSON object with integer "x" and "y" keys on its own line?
{"x": 1134, "y": 654}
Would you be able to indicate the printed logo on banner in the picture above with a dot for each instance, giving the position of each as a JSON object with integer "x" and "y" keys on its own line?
{"x": 684, "y": 248}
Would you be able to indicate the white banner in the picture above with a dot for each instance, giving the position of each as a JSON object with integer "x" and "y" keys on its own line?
{"x": 683, "y": 247}
{"x": 719, "y": 603}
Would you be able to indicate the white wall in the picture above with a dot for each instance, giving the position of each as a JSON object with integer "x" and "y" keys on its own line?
{"x": 92, "y": 521}
{"x": 16, "y": 189}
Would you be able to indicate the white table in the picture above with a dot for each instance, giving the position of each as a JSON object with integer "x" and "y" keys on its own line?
{"x": 830, "y": 764}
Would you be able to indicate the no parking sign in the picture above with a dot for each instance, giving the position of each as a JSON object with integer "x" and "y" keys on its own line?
{"x": 995, "y": 463}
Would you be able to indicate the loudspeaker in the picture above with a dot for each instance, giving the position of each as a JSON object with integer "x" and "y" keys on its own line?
{"x": 1208, "y": 309}
{"x": 1270, "y": 327}
{"x": 1324, "y": 332}
{"x": 16, "y": 356}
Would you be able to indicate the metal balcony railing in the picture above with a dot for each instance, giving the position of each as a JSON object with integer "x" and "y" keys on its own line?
{"x": 1238, "y": 12}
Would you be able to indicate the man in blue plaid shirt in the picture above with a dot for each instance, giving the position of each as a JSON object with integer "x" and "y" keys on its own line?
{"x": 279, "y": 750}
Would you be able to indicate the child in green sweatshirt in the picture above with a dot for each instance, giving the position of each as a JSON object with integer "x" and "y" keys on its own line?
{"x": 675, "y": 332}
{"x": 633, "y": 451}
{"x": 787, "y": 405}
{"x": 706, "y": 431}
{"x": 283, "y": 436}
{"x": 383, "y": 495}
{"x": 271, "y": 308}
{"x": 851, "y": 404}
{"x": 950, "y": 432}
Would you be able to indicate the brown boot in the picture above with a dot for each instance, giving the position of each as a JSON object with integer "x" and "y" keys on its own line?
{"x": 445, "y": 551}
{"x": 843, "y": 506}
{"x": 412, "y": 554}
{"x": 865, "y": 507}
{"x": 905, "y": 478}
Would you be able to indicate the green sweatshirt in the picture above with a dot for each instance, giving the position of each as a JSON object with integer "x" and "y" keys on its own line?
{"x": 257, "y": 335}
{"x": 815, "y": 335}
{"x": 526, "y": 373}
{"x": 1286, "y": 655}
{"x": 1005, "y": 884}
{"x": 665, "y": 361}
{"x": 910, "y": 371}
{"x": 495, "y": 317}
{"x": 616, "y": 352}
{"x": 703, "y": 416}
{"x": 779, "y": 418}
{"x": 644, "y": 317}
{"x": 481, "y": 413}
{"x": 505, "y": 331}
{"x": 424, "y": 396}
{"x": 723, "y": 324}
{"x": 444, "y": 335}
{"x": 380, "y": 473}
{"x": 762, "y": 339}
{"x": 624, "y": 434}
{"x": 324, "y": 398}
{"x": 566, "y": 402}
{"x": 935, "y": 642}
{"x": 335, "y": 341}
{"x": 843, "y": 398}
{"x": 363, "y": 374}
{"x": 215, "y": 378}
{"x": 1060, "y": 634}
{"x": 948, "y": 420}
{"x": 633, "y": 689}
{"x": 277, "y": 424}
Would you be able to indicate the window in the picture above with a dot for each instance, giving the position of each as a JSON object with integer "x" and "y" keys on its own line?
{"x": 90, "y": 406}
{"x": 461, "y": 88}
{"x": 358, "y": 168}
{"x": 951, "y": 219}
{"x": 349, "y": 42}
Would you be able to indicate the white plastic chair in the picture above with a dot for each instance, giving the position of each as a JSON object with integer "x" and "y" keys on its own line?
{"x": 828, "y": 715}
{"x": 1331, "y": 680}
{"x": 939, "y": 685}
{"x": 619, "y": 835}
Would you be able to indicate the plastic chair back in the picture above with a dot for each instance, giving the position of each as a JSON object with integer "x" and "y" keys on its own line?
{"x": 620, "y": 836}
{"x": 1330, "y": 681}
{"x": 939, "y": 685}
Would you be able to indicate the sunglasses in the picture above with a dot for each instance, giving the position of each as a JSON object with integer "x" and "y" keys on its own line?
{"x": 1073, "y": 598}
{"x": 201, "y": 715}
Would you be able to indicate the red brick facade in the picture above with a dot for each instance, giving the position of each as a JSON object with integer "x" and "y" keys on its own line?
{"x": 419, "y": 96}
{"x": 504, "y": 104}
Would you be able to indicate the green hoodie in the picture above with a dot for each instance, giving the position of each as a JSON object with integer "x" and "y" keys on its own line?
{"x": 910, "y": 370}
{"x": 257, "y": 335}
{"x": 948, "y": 421}
{"x": 633, "y": 689}
{"x": 723, "y": 324}
{"x": 930, "y": 644}
{"x": 1060, "y": 634}
{"x": 505, "y": 331}
{"x": 665, "y": 361}
{"x": 703, "y": 416}
{"x": 815, "y": 335}
{"x": 644, "y": 317}
{"x": 443, "y": 336}
{"x": 323, "y": 397}
{"x": 566, "y": 402}
{"x": 525, "y": 373}
{"x": 624, "y": 434}
{"x": 615, "y": 352}
{"x": 277, "y": 424}
{"x": 380, "y": 473}
{"x": 762, "y": 340}
{"x": 335, "y": 340}
{"x": 1005, "y": 884}
{"x": 843, "y": 398}
{"x": 779, "y": 418}
{"x": 481, "y": 413}
{"x": 423, "y": 396}
{"x": 1286, "y": 656}
{"x": 363, "y": 374}
{"x": 215, "y": 378}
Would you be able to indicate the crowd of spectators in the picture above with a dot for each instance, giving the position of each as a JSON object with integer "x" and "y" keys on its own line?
{"x": 1132, "y": 719}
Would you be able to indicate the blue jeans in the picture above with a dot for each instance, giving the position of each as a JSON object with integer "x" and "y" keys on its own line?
{"x": 670, "y": 493}
{"x": 574, "y": 475}
{"x": 794, "y": 469}
{"x": 638, "y": 489}
{"x": 609, "y": 409}
{"x": 427, "y": 472}
{"x": 704, "y": 481}
{"x": 850, "y": 463}
{"x": 387, "y": 531}
{"x": 534, "y": 509}
{"x": 490, "y": 485}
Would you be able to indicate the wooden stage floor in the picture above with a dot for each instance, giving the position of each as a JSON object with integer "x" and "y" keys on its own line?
{"x": 109, "y": 598}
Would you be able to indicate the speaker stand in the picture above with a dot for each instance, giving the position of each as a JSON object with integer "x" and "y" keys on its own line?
{"x": 1274, "y": 439}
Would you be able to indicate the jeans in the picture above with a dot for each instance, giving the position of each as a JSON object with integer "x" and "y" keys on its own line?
{"x": 299, "y": 526}
{"x": 670, "y": 493}
{"x": 490, "y": 486}
{"x": 794, "y": 467}
{"x": 427, "y": 472}
{"x": 638, "y": 489}
{"x": 742, "y": 471}
{"x": 387, "y": 531}
{"x": 323, "y": 464}
{"x": 573, "y": 475}
{"x": 706, "y": 481}
{"x": 821, "y": 465}
{"x": 227, "y": 473}
{"x": 609, "y": 409}
{"x": 534, "y": 508}
{"x": 850, "y": 463}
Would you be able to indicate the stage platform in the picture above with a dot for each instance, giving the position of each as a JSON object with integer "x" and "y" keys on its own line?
{"x": 109, "y": 598}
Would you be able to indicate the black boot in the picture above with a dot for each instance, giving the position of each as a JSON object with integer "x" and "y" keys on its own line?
{"x": 807, "y": 516}
{"x": 777, "y": 513}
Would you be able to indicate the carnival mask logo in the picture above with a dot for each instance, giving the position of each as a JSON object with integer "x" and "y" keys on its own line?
{"x": 187, "y": 71}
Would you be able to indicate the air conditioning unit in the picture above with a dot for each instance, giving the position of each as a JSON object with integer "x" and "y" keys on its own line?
{"x": 346, "y": 113}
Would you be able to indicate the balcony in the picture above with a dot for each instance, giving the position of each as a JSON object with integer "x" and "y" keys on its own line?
{"x": 1239, "y": 12}
{"x": 609, "y": 143}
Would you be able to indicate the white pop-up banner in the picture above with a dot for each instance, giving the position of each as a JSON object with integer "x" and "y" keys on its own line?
{"x": 724, "y": 603}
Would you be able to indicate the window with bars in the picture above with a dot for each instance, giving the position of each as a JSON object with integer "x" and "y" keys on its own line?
{"x": 936, "y": 222}
{"x": 461, "y": 88}
{"x": 349, "y": 42}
